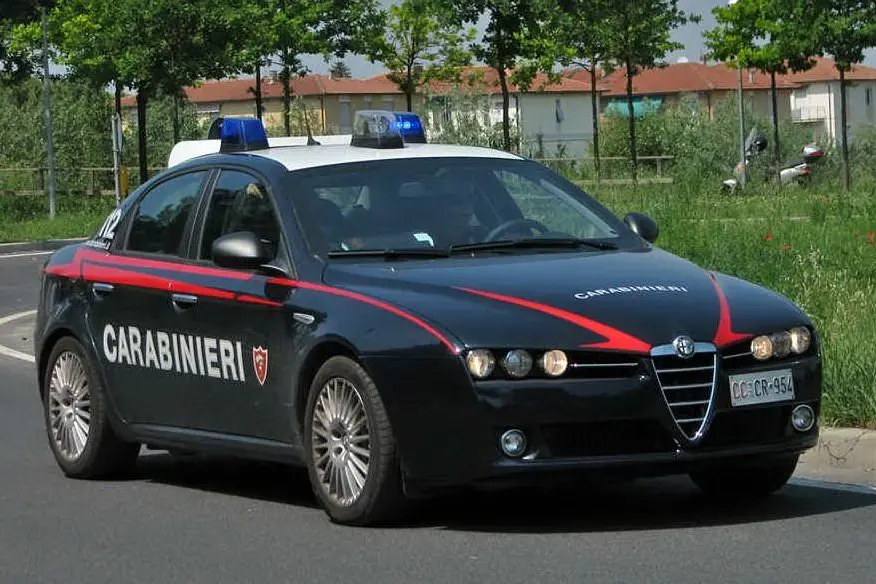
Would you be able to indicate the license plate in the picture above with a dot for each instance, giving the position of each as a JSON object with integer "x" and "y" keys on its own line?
{"x": 765, "y": 387}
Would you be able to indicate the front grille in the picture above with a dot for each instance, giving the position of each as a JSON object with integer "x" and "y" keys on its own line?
{"x": 608, "y": 438}
{"x": 688, "y": 386}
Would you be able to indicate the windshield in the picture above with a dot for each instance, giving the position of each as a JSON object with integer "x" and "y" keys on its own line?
{"x": 445, "y": 203}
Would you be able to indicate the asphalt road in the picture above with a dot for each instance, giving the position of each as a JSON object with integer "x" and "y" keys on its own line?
{"x": 218, "y": 521}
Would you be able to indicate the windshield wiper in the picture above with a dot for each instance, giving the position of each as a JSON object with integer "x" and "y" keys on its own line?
{"x": 390, "y": 253}
{"x": 533, "y": 243}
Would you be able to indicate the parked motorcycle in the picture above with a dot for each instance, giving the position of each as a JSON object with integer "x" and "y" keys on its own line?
{"x": 797, "y": 173}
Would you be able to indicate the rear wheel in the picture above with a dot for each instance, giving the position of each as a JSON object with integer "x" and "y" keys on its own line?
{"x": 745, "y": 482}
{"x": 351, "y": 455}
{"x": 75, "y": 406}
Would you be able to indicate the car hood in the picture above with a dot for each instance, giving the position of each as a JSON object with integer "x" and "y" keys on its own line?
{"x": 617, "y": 300}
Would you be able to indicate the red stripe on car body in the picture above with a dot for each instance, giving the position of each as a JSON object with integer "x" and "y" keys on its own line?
{"x": 724, "y": 335}
{"x": 615, "y": 339}
{"x": 111, "y": 268}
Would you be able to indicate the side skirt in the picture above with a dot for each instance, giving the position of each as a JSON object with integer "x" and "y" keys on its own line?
{"x": 171, "y": 438}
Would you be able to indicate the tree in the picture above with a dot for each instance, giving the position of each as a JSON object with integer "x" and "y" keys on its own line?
{"x": 642, "y": 38}
{"x": 766, "y": 35}
{"x": 325, "y": 27}
{"x": 421, "y": 44}
{"x": 844, "y": 30}
{"x": 340, "y": 70}
{"x": 515, "y": 43}
{"x": 584, "y": 35}
{"x": 155, "y": 47}
{"x": 17, "y": 62}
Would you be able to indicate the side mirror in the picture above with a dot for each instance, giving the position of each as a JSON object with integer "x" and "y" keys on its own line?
{"x": 242, "y": 250}
{"x": 643, "y": 226}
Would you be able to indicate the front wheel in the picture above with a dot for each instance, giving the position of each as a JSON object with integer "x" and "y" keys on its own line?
{"x": 76, "y": 417}
{"x": 351, "y": 454}
{"x": 752, "y": 481}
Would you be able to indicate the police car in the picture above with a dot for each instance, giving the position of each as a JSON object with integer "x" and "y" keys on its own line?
{"x": 402, "y": 318}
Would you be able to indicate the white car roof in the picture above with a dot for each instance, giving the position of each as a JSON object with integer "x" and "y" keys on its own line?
{"x": 294, "y": 154}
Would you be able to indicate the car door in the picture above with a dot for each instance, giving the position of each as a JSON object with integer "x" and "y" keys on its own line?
{"x": 131, "y": 312}
{"x": 243, "y": 312}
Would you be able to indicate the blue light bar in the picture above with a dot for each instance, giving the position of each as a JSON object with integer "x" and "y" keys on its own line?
{"x": 410, "y": 127}
{"x": 242, "y": 135}
{"x": 386, "y": 129}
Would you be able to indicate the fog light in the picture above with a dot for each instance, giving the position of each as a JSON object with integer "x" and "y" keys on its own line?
{"x": 480, "y": 363}
{"x": 762, "y": 348}
{"x": 803, "y": 418}
{"x": 514, "y": 443}
{"x": 800, "y": 339}
{"x": 554, "y": 363}
{"x": 518, "y": 363}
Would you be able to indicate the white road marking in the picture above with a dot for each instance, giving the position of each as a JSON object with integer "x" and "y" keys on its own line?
{"x": 12, "y": 352}
{"x": 818, "y": 484}
{"x": 27, "y": 254}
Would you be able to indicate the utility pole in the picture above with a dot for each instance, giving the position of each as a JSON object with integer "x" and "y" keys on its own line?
{"x": 741, "y": 104}
{"x": 47, "y": 110}
{"x": 744, "y": 176}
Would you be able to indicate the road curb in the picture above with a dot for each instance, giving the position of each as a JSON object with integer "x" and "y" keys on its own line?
{"x": 39, "y": 245}
{"x": 846, "y": 453}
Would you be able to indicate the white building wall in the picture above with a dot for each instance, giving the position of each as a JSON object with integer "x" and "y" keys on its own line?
{"x": 819, "y": 104}
{"x": 562, "y": 121}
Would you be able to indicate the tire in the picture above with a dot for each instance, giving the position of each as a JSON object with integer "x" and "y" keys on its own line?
{"x": 102, "y": 453}
{"x": 380, "y": 498}
{"x": 745, "y": 482}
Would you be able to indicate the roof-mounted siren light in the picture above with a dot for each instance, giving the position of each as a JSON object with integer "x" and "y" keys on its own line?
{"x": 242, "y": 135}
{"x": 386, "y": 129}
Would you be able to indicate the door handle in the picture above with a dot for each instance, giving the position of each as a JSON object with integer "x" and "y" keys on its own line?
{"x": 183, "y": 300}
{"x": 101, "y": 288}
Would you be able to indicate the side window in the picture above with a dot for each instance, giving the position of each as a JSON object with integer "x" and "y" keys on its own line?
{"x": 161, "y": 215}
{"x": 240, "y": 202}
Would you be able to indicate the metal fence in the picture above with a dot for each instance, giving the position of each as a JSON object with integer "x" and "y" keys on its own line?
{"x": 88, "y": 180}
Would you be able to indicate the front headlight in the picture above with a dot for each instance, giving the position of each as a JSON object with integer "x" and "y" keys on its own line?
{"x": 554, "y": 362}
{"x": 517, "y": 363}
{"x": 800, "y": 339}
{"x": 480, "y": 363}
{"x": 762, "y": 348}
{"x": 781, "y": 344}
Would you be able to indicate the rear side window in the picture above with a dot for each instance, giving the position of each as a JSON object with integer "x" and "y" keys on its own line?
{"x": 162, "y": 214}
{"x": 240, "y": 202}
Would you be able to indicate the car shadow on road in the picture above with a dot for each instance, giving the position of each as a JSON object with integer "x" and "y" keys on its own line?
{"x": 270, "y": 482}
{"x": 644, "y": 505}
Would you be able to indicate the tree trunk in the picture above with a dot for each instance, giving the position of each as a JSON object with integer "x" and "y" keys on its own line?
{"x": 847, "y": 171}
{"x": 258, "y": 89}
{"x": 777, "y": 147}
{"x": 594, "y": 98}
{"x": 409, "y": 88}
{"x": 175, "y": 118}
{"x": 409, "y": 100}
{"x": 634, "y": 160}
{"x": 287, "y": 94}
{"x": 142, "y": 99}
{"x": 506, "y": 99}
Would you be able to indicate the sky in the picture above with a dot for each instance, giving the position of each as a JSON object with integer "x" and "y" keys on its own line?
{"x": 690, "y": 36}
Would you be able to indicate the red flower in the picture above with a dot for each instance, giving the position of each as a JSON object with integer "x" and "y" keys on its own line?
{"x": 768, "y": 237}
{"x": 786, "y": 246}
{"x": 871, "y": 238}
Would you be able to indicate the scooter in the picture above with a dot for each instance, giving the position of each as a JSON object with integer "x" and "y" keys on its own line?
{"x": 796, "y": 173}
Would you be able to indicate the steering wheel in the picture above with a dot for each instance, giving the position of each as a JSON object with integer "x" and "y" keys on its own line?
{"x": 509, "y": 225}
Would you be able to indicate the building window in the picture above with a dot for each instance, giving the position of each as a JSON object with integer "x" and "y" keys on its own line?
{"x": 868, "y": 96}
{"x": 388, "y": 103}
{"x": 558, "y": 110}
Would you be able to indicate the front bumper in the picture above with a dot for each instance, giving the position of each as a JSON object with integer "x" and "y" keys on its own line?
{"x": 448, "y": 428}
